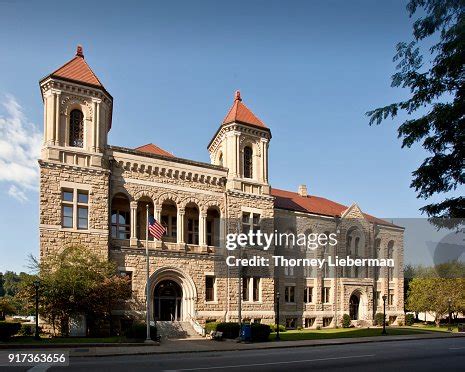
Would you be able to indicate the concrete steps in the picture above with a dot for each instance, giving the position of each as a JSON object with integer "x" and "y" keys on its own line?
{"x": 176, "y": 330}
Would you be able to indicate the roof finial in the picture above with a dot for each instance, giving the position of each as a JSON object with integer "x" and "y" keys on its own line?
{"x": 238, "y": 96}
{"x": 79, "y": 51}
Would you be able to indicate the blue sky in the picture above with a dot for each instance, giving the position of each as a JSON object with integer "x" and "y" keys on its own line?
{"x": 308, "y": 69}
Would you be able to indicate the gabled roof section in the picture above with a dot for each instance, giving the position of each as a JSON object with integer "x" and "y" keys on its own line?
{"x": 240, "y": 113}
{"x": 78, "y": 70}
{"x": 150, "y": 148}
{"x": 315, "y": 205}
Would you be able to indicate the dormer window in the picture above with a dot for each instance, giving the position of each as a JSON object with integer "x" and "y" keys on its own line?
{"x": 248, "y": 153}
{"x": 76, "y": 128}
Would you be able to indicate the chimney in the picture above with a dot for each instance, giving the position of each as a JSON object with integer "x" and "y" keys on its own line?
{"x": 303, "y": 190}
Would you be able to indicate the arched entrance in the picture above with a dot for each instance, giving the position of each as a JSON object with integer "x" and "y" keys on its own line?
{"x": 354, "y": 303}
{"x": 173, "y": 295}
{"x": 167, "y": 300}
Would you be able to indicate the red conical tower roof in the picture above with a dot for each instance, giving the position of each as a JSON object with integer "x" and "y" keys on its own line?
{"x": 240, "y": 113}
{"x": 77, "y": 70}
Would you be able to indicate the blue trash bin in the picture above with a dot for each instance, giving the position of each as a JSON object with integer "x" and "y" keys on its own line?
{"x": 246, "y": 332}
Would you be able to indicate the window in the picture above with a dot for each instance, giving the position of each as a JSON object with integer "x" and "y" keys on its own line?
{"x": 291, "y": 323}
{"x": 251, "y": 221}
{"x": 251, "y": 289}
{"x": 76, "y": 128}
{"x": 75, "y": 209}
{"x": 83, "y": 210}
{"x": 356, "y": 246}
{"x": 210, "y": 234}
{"x": 391, "y": 297}
{"x": 325, "y": 292}
{"x": 192, "y": 231}
{"x": 256, "y": 289}
{"x": 309, "y": 322}
{"x": 220, "y": 159}
{"x": 245, "y": 289}
{"x": 169, "y": 222}
{"x": 120, "y": 224}
{"x": 327, "y": 322}
{"x": 289, "y": 294}
{"x": 248, "y": 159}
{"x": 209, "y": 288}
{"x": 289, "y": 270}
{"x": 308, "y": 295}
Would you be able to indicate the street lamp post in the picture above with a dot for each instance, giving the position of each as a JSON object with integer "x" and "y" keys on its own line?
{"x": 36, "y": 286}
{"x": 384, "y": 315}
{"x": 449, "y": 301}
{"x": 277, "y": 317}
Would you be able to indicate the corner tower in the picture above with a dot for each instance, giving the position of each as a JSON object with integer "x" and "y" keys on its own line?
{"x": 74, "y": 174}
{"x": 77, "y": 114}
{"x": 241, "y": 145}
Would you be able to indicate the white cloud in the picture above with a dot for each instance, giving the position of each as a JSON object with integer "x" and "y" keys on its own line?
{"x": 17, "y": 194}
{"x": 20, "y": 143}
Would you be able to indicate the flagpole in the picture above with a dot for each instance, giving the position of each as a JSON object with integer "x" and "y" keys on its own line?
{"x": 148, "y": 339}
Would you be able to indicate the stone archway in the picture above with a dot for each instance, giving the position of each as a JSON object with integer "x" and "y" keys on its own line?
{"x": 179, "y": 291}
{"x": 354, "y": 303}
{"x": 358, "y": 305}
{"x": 167, "y": 300}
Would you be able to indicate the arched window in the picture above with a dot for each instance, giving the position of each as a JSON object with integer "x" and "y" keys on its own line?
{"x": 76, "y": 128}
{"x": 220, "y": 159}
{"x": 248, "y": 162}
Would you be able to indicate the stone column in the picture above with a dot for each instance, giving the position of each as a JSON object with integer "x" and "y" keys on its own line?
{"x": 97, "y": 126}
{"x": 238, "y": 155}
{"x": 180, "y": 225}
{"x": 264, "y": 144}
{"x": 56, "y": 117}
{"x": 133, "y": 222}
{"x": 157, "y": 212}
{"x": 203, "y": 229}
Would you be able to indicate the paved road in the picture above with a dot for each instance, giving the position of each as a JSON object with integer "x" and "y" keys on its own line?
{"x": 416, "y": 355}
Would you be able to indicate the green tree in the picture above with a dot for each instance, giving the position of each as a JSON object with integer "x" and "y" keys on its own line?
{"x": 11, "y": 282}
{"x": 2, "y": 281}
{"x": 439, "y": 87}
{"x": 75, "y": 282}
{"x": 6, "y": 307}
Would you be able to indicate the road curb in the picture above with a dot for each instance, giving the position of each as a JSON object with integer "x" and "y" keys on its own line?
{"x": 277, "y": 346}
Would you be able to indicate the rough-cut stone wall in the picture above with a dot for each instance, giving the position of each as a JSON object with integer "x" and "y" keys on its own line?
{"x": 53, "y": 237}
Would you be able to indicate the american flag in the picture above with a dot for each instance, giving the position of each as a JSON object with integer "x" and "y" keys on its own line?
{"x": 156, "y": 229}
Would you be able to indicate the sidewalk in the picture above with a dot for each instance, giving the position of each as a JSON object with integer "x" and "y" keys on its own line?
{"x": 203, "y": 345}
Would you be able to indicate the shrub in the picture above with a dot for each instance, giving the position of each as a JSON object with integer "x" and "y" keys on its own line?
{"x": 210, "y": 327}
{"x": 229, "y": 329}
{"x": 27, "y": 330}
{"x": 346, "y": 321}
{"x": 281, "y": 328}
{"x": 318, "y": 328}
{"x": 409, "y": 319}
{"x": 138, "y": 331}
{"x": 8, "y": 329}
{"x": 379, "y": 319}
{"x": 260, "y": 332}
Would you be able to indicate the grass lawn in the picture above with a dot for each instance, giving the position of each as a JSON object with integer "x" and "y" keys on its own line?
{"x": 432, "y": 327}
{"x": 313, "y": 334}
{"x": 65, "y": 340}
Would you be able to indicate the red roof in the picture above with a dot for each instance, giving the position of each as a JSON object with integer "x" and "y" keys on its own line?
{"x": 78, "y": 70}
{"x": 240, "y": 113}
{"x": 153, "y": 149}
{"x": 313, "y": 204}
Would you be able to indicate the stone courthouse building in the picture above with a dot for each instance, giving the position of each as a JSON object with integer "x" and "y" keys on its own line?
{"x": 95, "y": 195}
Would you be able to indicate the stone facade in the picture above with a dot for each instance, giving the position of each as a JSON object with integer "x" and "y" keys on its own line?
{"x": 110, "y": 188}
